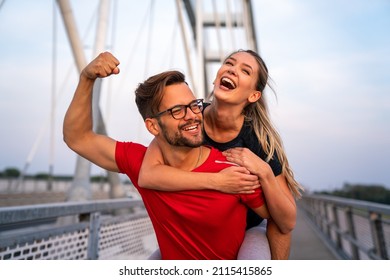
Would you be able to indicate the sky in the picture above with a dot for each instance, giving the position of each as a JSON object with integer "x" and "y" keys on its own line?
{"x": 329, "y": 62}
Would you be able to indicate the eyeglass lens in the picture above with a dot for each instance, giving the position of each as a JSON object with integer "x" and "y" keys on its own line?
{"x": 181, "y": 111}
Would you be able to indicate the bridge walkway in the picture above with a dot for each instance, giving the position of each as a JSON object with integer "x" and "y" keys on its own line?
{"x": 306, "y": 243}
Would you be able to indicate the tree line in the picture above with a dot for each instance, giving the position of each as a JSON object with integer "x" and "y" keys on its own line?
{"x": 13, "y": 173}
{"x": 373, "y": 193}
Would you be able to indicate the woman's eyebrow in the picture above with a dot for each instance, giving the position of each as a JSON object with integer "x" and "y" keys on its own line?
{"x": 235, "y": 60}
{"x": 247, "y": 65}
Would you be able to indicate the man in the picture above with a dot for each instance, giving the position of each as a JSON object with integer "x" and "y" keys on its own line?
{"x": 199, "y": 224}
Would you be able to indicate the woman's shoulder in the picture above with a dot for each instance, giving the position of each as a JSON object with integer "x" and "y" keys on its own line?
{"x": 252, "y": 142}
{"x": 248, "y": 134}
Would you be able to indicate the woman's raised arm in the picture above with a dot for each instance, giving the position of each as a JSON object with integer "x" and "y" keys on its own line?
{"x": 156, "y": 175}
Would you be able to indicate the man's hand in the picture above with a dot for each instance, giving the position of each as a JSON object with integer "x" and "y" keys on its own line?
{"x": 104, "y": 65}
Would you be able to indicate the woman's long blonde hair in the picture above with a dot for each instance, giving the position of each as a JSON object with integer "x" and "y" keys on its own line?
{"x": 265, "y": 131}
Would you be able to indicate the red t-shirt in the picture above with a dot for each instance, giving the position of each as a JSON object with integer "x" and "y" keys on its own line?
{"x": 202, "y": 224}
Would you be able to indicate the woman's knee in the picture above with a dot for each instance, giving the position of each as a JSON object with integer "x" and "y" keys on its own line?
{"x": 255, "y": 245}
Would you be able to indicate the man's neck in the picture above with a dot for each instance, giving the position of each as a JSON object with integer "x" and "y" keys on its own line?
{"x": 184, "y": 158}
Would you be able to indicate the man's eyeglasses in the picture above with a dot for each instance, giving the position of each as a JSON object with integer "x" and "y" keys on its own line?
{"x": 179, "y": 111}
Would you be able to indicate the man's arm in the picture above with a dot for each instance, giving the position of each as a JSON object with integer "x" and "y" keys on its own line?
{"x": 77, "y": 127}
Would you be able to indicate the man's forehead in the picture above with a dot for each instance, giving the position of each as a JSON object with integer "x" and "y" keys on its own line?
{"x": 177, "y": 94}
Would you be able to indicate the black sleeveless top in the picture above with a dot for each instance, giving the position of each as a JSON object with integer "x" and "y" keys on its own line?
{"x": 247, "y": 138}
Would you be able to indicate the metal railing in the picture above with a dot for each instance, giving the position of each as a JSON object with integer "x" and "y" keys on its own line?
{"x": 36, "y": 191}
{"x": 121, "y": 229}
{"x": 354, "y": 229}
{"x": 105, "y": 229}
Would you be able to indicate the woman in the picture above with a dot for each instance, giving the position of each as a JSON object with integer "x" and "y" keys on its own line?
{"x": 237, "y": 122}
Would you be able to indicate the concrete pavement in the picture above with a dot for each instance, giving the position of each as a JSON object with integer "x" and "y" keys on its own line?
{"x": 306, "y": 243}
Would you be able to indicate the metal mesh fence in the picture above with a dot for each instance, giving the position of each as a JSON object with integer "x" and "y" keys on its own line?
{"x": 90, "y": 232}
{"x": 65, "y": 246}
{"x": 355, "y": 229}
{"x": 132, "y": 239}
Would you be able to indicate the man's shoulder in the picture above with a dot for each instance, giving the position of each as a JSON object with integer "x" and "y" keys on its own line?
{"x": 132, "y": 149}
{"x": 215, "y": 162}
{"x": 130, "y": 145}
{"x": 129, "y": 155}
{"x": 215, "y": 153}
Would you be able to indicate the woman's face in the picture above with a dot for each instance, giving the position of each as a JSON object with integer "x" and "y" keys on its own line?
{"x": 236, "y": 79}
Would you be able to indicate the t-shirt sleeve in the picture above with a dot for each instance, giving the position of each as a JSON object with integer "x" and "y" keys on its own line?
{"x": 253, "y": 200}
{"x": 275, "y": 165}
{"x": 128, "y": 157}
{"x": 253, "y": 144}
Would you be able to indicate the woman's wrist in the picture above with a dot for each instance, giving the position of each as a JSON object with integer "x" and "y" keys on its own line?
{"x": 212, "y": 181}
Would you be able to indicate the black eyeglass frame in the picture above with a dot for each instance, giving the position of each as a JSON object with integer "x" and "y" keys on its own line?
{"x": 181, "y": 108}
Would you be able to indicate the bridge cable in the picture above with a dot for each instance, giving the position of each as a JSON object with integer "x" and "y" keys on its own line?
{"x": 112, "y": 48}
{"x": 132, "y": 52}
{"x": 46, "y": 124}
{"x": 53, "y": 97}
{"x": 149, "y": 37}
{"x": 217, "y": 23}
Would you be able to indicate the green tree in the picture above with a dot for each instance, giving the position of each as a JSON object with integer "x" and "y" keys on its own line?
{"x": 373, "y": 193}
{"x": 11, "y": 172}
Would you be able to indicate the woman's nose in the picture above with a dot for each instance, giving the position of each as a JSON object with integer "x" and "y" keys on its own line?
{"x": 232, "y": 70}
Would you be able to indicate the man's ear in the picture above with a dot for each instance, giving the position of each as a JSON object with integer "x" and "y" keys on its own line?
{"x": 152, "y": 126}
{"x": 255, "y": 95}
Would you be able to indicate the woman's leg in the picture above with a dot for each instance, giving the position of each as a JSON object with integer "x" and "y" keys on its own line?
{"x": 255, "y": 245}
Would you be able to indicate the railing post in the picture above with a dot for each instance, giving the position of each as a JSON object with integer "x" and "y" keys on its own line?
{"x": 93, "y": 240}
{"x": 378, "y": 237}
{"x": 316, "y": 214}
{"x": 337, "y": 225}
{"x": 351, "y": 231}
{"x": 327, "y": 221}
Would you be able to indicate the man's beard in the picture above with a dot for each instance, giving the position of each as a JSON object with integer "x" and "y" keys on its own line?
{"x": 177, "y": 138}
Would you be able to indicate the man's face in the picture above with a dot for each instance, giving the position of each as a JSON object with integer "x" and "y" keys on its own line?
{"x": 185, "y": 132}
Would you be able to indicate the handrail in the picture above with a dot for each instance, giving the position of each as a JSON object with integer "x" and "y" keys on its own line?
{"x": 367, "y": 205}
{"x": 77, "y": 230}
{"x": 354, "y": 229}
{"x": 17, "y": 214}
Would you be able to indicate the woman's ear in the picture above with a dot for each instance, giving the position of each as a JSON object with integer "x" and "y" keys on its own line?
{"x": 152, "y": 126}
{"x": 255, "y": 95}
